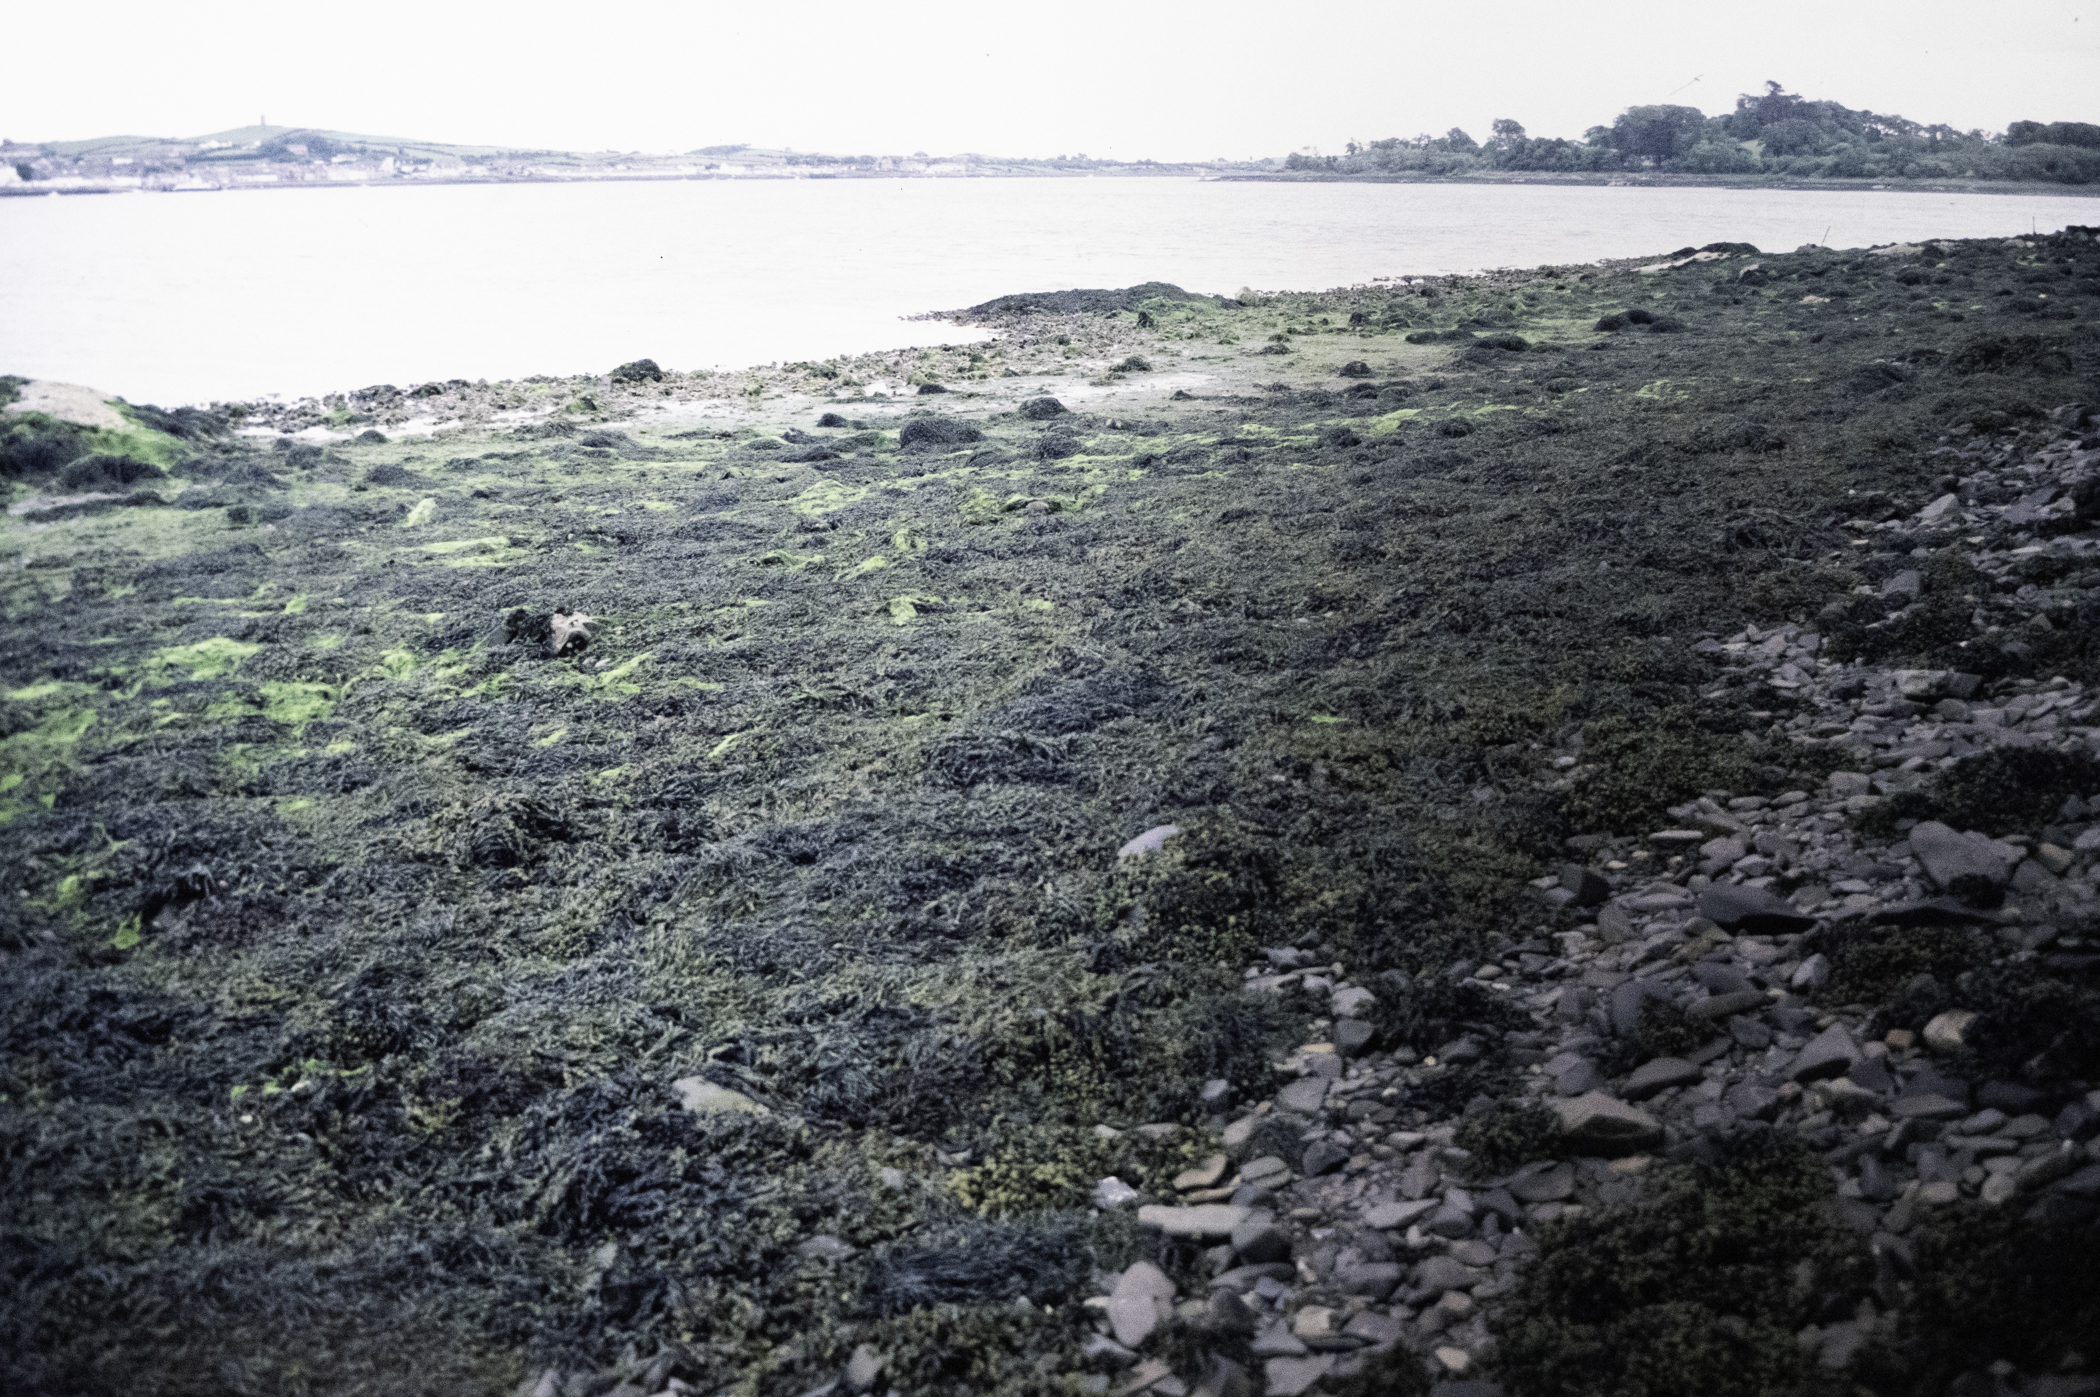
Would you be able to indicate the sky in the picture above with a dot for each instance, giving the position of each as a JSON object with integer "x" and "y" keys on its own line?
{"x": 1127, "y": 80}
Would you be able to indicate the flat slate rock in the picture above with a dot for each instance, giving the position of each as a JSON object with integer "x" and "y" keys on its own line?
{"x": 1830, "y": 1053}
{"x": 1755, "y": 910}
{"x": 1949, "y": 856}
{"x": 1303, "y": 1096}
{"x": 1660, "y": 1074}
{"x": 1721, "y": 1006}
{"x": 1389, "y": 1216}
{"x": 1211, "y": 1221}
{"x": 702, "y": 1098}
{"x": 1605, "y": 1125}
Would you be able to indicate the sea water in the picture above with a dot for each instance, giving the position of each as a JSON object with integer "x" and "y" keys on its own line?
{"x": 195, "y": 297}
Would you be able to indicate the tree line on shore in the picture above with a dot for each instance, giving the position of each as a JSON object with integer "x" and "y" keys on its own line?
{"x": 1775, "y": 132}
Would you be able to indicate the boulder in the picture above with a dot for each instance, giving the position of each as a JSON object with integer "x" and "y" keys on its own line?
{"x": 1150, "y": 842}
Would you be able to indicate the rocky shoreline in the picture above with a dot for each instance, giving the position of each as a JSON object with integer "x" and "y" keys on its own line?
{"x": 1529, "y": 834}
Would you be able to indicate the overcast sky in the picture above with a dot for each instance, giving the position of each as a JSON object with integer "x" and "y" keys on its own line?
{"x": 1127, "y": 80}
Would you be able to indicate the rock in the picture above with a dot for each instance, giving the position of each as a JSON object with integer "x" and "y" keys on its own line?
{"x": 863, "y": 1368}
{"x": 1374, "y": 1279}
{"x": 1659, "y": 1075}
{"x": 1599, "y": 1124}
{"x": 2054, "y": 858}
{"x": 1750, "y": 909}
{"x": 1352, "y": 1037}
{"x": 824, "y": 1247}
{"x": 1289, "y": 1377}
{"x": 1239, "y": 1132}
{"x": 1626, "y": 1003}
{"x": 1388, "y": 1217}
{"x": 1303, "y": 1096}
{"x": 1324, "y": 1157}
{"x": 1578, "y": 1077}
{"x": 1441, "y": 1273}
{"x": 1810, "y": 973}
{"x": 1721, "y": 1006}
{"x": 1351, "y": 1003}
{"x": 702, "y": 1098}
{"x": 1135, "y": 1307}
{"x": 1041, "y": 409}
{"x": 1150, "y": 842}
{"x": 1112, "y": 1193}
{"x": 1927, "y": 1106}
{"x": 1277, "y": 1341}
{"x": 1717, "y": 977}
{"x": 1587, "y": 887}
{"x": 1944, "y": 1034}
{"x": 1205, "y": 1221}
{"x": 1851, "y": 783}
{"x": 1268, "y": 1171}
{"x": 1216, "y": 1093}
{"x": 1374, "y": 1329}
{"x": 2046, "y": 1169}
{"x": 1969, "y": 859}
{"x": 1830, "y": 1053}
{"x": 1259, "y": 1241}
{"x": 1454, "y": 1360}
{"x": 1203, "y": 1175}
{"x": 1549, "y": 1184}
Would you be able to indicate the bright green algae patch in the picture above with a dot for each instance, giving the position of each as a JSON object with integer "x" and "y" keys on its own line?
{"x": 292, "y": 813}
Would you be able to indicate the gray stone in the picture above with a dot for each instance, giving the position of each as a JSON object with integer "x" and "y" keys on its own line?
{"x": 1303, "y": 1096}
{"x": 1239, "y": 1132}
{"x": 1949, "y": 857}
{"x": 1659, "y": 1074}
{"x": 1215, "y": 1094}
{"x": 1324, "y": 1157}
{"x": 1751, "y": 909}
{"x": 703, "y": 1098}
{"x": 1135, "y": 1306}
{"x": 1228, "y": 1314}
{"x": 1718, "y": 977}
{"x": 1904, "y": 586}
{"x": 863, "y": 1368}
{"x": 1352, "y": 1037}
{"x": 1441, "y": 1273}
{"x": 1277, "y": 1341}
{"x": 1720, "y": 1006}
{"x": 1626, "y": 1002}
{"x": 1373, "y": 1279}
{"x": 1588, "y": 888}
{"x": 1810, "y": 973}
{"x": 1112, "y": 1193}
{"x": 1150, "y": 842}
{"x": 1289, "y": 1377}
{"x": 1547, "y": 1185}
{"x": 1392, "y": 1216}
{"x": 1830, "y": 1053}
{"x": 1352, "y": 1003}
{"x": 1259, "y": 1240}
{"x": 1600, "y": 1124}
{"x": 1944, "y": 1034}
{"x": 1205, "y": 1221}
{"x": 1579, "y": 1077}
{"x": 1927, "y": 1106}
{"x": 1377, "y": 1330}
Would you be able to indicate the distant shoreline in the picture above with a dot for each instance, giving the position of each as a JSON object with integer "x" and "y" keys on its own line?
{"x": 1606, "y": 179}
{"x": 45, "y": 189}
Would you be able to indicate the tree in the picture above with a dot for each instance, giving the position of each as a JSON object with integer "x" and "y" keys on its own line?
{"x": 1658, "y": 133}
{"x": 1508, "y": 137}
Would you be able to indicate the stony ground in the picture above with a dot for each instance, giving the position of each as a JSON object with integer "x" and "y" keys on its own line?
{"x": 1529, "y": 833}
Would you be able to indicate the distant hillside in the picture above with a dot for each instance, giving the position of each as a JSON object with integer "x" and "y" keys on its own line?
{"x": 1775, "y": 132}
{"x": 261, "y": 156}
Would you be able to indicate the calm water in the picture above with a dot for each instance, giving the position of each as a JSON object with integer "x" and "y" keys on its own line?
{"x": 190, "y": 297}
